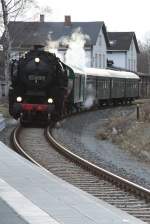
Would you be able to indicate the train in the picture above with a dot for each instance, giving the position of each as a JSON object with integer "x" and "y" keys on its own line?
{"x": 43, "y": 88}
{"x": 39, "y": 83}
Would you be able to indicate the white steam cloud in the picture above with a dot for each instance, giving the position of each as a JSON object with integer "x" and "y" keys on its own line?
{"x": 75, "y": 54}
{"x": 89, "y": 96}
{"x": 89, "y": 102}
{"x": 53, "y": 46}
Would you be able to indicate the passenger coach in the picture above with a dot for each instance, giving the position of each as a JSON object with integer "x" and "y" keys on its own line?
{"x": 101, "y": 87}
{"x": 110, "y": 86}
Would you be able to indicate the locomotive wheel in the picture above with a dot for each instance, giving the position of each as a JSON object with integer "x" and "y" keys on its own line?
{"x": 23, "y": 121}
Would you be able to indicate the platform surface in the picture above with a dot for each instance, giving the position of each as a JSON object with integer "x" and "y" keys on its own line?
{"x": 29, "y": 194}
{"x": 8, "y": 215}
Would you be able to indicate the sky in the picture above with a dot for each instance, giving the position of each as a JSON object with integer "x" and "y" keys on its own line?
{"x": 118, "y": 15}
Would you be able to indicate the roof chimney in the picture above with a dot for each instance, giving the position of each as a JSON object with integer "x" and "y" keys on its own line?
{"x": 67, "y": 21}
{"x": 42, "y": 18}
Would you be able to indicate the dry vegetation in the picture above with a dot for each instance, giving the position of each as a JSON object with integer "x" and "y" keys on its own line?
{"x": 128, "y": 133}
{"x": 4, "y": 108}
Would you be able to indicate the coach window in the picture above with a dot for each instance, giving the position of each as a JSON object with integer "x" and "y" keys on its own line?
{"x": 103, "y": 84}
{"x": 3, "y": 89}
{"x": 107, "y": 84}
{"x": 76, "y": 87}
{"x": 120, "y": 83}
{"x": 100, "y": 83}
{"x": 80, "y": 80}
{"x": 112, "y": 84}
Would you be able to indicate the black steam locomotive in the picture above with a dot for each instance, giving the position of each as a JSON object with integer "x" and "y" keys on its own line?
{"x": 39, "y": 85}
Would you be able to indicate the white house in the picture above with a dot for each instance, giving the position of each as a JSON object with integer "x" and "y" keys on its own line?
{"x": 57, "y": 35}
{"x": 99, "y": 50}
{"x": 99, "y": 47}
{"x": 123, "y": 50}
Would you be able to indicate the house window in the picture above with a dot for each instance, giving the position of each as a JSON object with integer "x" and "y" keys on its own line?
{"x": 112, "y": 42}
{"x": 100, "y": 40}
{"x": 134, "y": 65}
{"x": 96, "y": 60}
{"x": 103, "y": 61}
{"x": 100, "y": 60}
{"x": 132, "y": 61}
{"x": 129, "y": 64}
{"x": 93, "y": 62}
{"x": 131, "y": 46}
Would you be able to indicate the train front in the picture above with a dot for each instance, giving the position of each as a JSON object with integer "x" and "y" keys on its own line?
{"x": 38, "y": 87}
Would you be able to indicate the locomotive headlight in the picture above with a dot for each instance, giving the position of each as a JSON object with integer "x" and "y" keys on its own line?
{"x": 19, "y": 99}
{"x": 37, "y": 60}
{"x": 50, "y": 100}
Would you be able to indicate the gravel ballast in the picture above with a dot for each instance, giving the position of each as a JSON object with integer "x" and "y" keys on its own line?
{"x": 79, "y": 134}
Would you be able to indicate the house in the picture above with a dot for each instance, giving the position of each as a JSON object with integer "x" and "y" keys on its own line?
{"x": 100, "y": 47}
{"x": 26, "y": 34}
{"x": 123, "y": 50}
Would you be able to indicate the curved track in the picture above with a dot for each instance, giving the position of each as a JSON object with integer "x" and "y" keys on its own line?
{"x": 99, "y": 182}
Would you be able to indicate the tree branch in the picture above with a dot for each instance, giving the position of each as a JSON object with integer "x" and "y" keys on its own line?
{"x": 14, "y": 5}
{"x": 8, "y": 3}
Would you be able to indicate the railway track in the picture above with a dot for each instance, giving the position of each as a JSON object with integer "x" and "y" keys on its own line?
{"x": 115, "y": 190}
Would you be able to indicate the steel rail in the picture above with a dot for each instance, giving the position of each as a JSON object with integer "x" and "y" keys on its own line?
{"x": 97, "y": 181}
{"x": 119, "y": 181}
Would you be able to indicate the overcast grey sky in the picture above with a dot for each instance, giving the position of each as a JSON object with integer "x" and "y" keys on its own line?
{"x": 118, "y": 15}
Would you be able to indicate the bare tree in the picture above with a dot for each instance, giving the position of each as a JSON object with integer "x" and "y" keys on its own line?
{"x": 142, "y": 60}
{"x": 10, "y": 10}
{"x": 147, "y": 47}
{"x": 144, "y": 56}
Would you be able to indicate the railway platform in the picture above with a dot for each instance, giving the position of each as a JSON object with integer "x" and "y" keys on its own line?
{"x": 31, "y": 195}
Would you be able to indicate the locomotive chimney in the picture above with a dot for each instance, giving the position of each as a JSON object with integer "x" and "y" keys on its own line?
{"x": 67, "y": 21}
{"x": 42, "y": 18}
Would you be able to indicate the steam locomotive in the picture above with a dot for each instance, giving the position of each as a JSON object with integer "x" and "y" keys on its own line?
{"x": 39, "y": 83}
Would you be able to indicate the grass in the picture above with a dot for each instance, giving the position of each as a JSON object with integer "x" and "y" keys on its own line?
{"x": 4, "y": 110}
